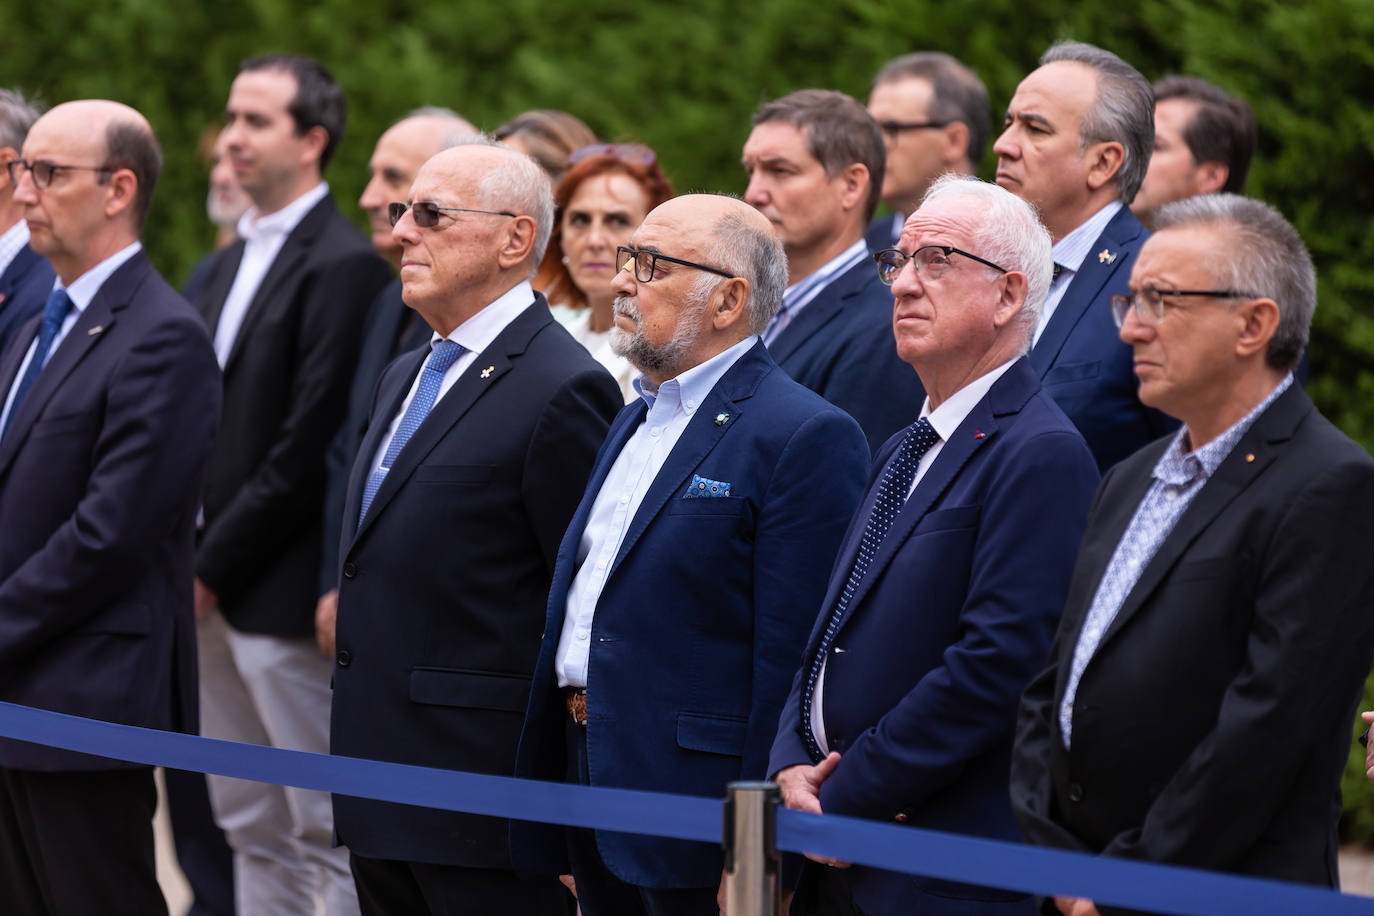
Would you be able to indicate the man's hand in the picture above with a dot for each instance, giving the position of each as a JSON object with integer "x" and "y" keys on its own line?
{"x": 206, "y": 601}
{"x": 1075, "y": 906}
{"x": 566, "y": 880}
{"x": 326, "y": 613}
{"x": 801, "y": 791}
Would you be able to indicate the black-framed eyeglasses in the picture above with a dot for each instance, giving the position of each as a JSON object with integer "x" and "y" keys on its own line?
{"x": 426, "y": 213}
{"x": 645, "y": 262}
{"x": 1149, "y": 302}
{"x": 43, "y": 171}
{"x": 628, "y": 153}
{"x": 893, "y": 129}
{"x": 931, "y": 261}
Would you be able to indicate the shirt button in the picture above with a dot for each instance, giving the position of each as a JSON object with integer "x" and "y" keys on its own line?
{"x": 582, "y": 635}
{"x": 654, "y": 432}
{"x": 624, "y": 500}
{"x": 691, "y": 404}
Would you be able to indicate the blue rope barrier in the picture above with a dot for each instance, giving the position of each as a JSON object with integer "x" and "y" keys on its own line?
{"x": 951, "y": 857}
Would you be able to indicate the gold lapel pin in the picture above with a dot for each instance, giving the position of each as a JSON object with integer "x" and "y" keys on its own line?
{"x": 488, "y": 371}
{"x": 1106, "y": 257}
{"x": 1249, "y": 457}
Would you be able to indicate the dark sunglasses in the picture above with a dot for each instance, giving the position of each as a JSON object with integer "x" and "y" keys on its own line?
{"x": 426, "y": 214}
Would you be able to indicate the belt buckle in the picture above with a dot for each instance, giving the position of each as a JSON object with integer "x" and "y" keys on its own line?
{"x": 575, "y": 700}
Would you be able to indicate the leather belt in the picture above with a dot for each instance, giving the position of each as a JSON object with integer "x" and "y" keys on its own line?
{"x": 575, "y": 699}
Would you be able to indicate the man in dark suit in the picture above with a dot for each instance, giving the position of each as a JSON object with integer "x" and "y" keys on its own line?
{"x": 1196, "y": 708}
{"x": 934, "y": 115}
{"x": 727, "y": 478}
{"x": 391, "y": 328}
{"x": 815, "y": 165}
{"x": 25, "y": 275}
{"x": 477, "y": 452}
{"x": 285, "y": 305}
{"x": 1076, "y": 145}
{"x": 949, "y": 583}
{"x": 110, "y": 402}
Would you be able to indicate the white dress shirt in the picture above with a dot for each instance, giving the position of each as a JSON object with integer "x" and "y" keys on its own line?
{"x": 11, "y": 243}
{"x": 945, "y": 419}
{"x": 671, "y": 406}
{"x": 263, "y": 237}
{"x": 474, "y": 336}
{"x": 81, "y": 292}
{"x": 1069, "y": 253}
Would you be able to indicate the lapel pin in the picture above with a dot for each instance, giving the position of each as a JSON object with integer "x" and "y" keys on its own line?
{"x": 486, "y": 373}
{"x": 721, "y": 418}
{"x": 95, "y": 330}
{"x": 977, "y": 434}
{"x": 1106, "y": 257}
{"x": 1249, "y": 457}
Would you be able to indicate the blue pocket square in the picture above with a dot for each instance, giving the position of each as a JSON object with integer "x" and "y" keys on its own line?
{"x": 706, "y": 488}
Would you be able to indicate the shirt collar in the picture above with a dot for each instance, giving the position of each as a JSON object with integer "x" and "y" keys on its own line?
{"x": 84, "y": 287}
{"x": 12, "y": 242}
{"x": 1072, "y": 249}
{"x": 477, "y": 333}
{"x": 1178, "y": 467}
{"x": 956, "y": 408}
{"x": 253, "y": 227}
{"x": 691, "y": 387}
{"x": 828, "y": 271}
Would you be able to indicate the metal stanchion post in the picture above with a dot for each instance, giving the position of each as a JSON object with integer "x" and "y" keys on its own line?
{"x": 752, "y": 864}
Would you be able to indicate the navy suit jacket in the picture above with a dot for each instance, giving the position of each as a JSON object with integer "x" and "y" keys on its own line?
{"x": 24, "y": 287}
{"x": 883, "y": 232}
{"x": 1211, "y": 726}
{"x": 1081, "y": 360}
{"x": 953, "y": 619}
{"x": 697, "y": 630}
{"x": 841, "y": 347}
{"x": 99, "y": 480}
{"x": 441, "y": 600}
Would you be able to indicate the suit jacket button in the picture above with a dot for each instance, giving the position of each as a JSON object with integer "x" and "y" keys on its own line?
{"x": 344, "y": 658}
{"x": 1075, "y": 792}
{"x": 349, "y": 570}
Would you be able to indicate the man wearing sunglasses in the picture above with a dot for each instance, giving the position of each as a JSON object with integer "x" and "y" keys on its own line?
{"x": 947, "y": 588}
{"x": 1197, "y": 707}
{"x": 285, "y": 308}
{"x": 934, "y": 115}
{"x": 475, "y": 456}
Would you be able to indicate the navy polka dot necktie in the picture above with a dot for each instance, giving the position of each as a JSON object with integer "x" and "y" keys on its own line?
{"x": 892, "y": 494}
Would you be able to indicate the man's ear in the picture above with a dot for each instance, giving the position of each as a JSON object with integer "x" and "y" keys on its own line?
{"x": 120, "y": 191}
{"x": 1259, "y": 322}
{"x": 731, "y": 304}
{"x": 855, "y": 188}
{"x": 518, "y": 243}
{"x": 1104, "y": 162}
{"x": 1210, "y": 177}
{"x": 1013, "y": 298}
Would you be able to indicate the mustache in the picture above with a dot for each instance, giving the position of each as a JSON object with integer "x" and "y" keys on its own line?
{"x": 626, "y": 306}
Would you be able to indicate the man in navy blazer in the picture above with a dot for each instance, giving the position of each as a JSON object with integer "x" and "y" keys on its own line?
{"x": 815, "y": 166}
{"x": 683, "y": 587}
{"x": 110, "y": 404}
{"x": 25, "y": 275}
{"x": 475, "y": 457}
{"x": 949, "y": 583}
{"x": 1077, "y": 142}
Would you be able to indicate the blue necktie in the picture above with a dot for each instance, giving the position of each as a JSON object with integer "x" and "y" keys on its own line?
{"x": 54, "y": 313}
{"x": 431, "y": 377}
{"x": 892, "y": 494}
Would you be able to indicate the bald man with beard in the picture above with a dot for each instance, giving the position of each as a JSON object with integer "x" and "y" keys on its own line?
{"x": 111, "y": 401}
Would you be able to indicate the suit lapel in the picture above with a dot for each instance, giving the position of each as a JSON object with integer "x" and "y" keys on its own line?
{"x": 217, "y": 286}
{"x": 1086, "y": 286}
{"x": 819, "y": 312}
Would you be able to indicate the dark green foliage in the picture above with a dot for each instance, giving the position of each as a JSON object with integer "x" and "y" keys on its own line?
{"x": 685, "y": 78}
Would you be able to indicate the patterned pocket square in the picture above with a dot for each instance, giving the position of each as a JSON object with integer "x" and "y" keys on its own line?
{"x": 706, "y": 488}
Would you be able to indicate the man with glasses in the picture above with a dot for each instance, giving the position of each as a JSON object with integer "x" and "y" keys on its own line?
{"x": 25, "y": 275}
{"x": 815, "y": 166}
{"x": 684, "y": 584}
{"x": 1076, "y": 144}
{"x": 108, "y": 404}
{"x": 285, "y": 307}
{"x": 947, "y": 588}
{"x": 1196, "y": 709}
{"x": 934, "y": 115}
{"x": 476, "y": 454}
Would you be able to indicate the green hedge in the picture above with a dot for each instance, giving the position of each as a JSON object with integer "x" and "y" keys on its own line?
{"x": 686, "y": 79}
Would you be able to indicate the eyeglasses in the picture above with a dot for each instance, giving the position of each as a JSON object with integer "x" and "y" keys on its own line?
{"x": 628, "y": 153}
{"x": 931, "y": 261}
{"x": 43, "y": 171}
{"x": 645, "y": 262}
{"x": 892, "y": 129}
{"x": 426, "y": 214}
{"x": 1149, "y": 302}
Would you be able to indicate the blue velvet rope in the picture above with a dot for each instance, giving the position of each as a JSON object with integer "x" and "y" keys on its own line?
{"x": 1010, "y": 866}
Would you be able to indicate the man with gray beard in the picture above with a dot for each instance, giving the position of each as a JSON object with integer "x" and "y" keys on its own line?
{"x": 684, "y": 587}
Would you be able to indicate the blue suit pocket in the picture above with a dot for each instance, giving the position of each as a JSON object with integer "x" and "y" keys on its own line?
{"x": 712, "y": 734}
{"x": 452, "y": 473}
{"x": 950, "y": 519}
{"x": 1066, "y": 373}
{"x": 469, "y": 689}
{"x": 55, "y": 426}
{"x": 715, "y": 505}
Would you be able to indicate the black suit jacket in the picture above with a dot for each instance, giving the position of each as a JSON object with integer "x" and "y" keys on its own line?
{"x": 99, "y": 476}
{"x": 285, "y": 389}
{"x": 1211, "y": 726}
{"x": 24, "y": 287}
{"x": 443, "y": 589}
{"x": 841, "y": 347}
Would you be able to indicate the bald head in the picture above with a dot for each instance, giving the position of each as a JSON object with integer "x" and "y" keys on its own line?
{"x": 507, "y": 180}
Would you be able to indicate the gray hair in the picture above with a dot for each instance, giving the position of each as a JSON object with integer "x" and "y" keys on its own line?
{"x": 1258, "y": 252}
{"x": 958, "y": 93}
{"x": 521, "y": 186}
{"x": 1124, "y": 111}
{"x": 1009, "y": 233}
{"x": 17, "y": 115}
{"x": 757, "y": 256}
{"x": 462, "y": 128}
